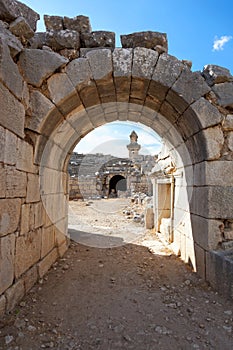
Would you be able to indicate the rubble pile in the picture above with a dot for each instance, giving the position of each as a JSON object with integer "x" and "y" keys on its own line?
{"x": 139, "y": 208}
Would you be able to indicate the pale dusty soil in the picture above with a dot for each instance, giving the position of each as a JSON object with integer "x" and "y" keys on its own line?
{"x": 125, "y": 297}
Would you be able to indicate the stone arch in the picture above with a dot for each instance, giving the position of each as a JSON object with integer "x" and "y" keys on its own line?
{"x": 117, "y": 183}
{"x": 141, "y": 85}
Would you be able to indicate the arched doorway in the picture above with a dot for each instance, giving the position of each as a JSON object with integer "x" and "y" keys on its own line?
{"x": 117, "y": 183}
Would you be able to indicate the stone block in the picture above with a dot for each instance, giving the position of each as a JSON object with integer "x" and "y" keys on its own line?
{"x": 208, "y": 115}
{"x": 63, "y": 248}
{"x": 167, "y": 70}
{"x": 200, "y": 261}
{"x": 214, "y": 140}
{"x": 9, "y": 215}
{"x": 224, "y": 93}
{"x": 33, "y": 188}
{"x": 189, "y": 87}
{"x": 30, "y": 278}
{"x": 24, "y": 160}
{"x": 98, "y": 39}
{"x": 10, "y": 10}
{"x": 30, "y": 243}
{"x": 7, "y": 250}
{"x": 12, "y": 112}
{"x": 25, "y": 219}
{"x": 53, "y": 22}
{"x": 2, "y": 182}
{"x": 79, "y": 73}
{"x": 2, "y": 143}
{"x": 9, "y": 73}
{"x": 37, "y": 41}
{"x": 63, "y": 93}
{"x": 14, "y": 295}
{"x": 11, "y": 41}
{"x": 149, "y": 218}
{"x": 39, "y": 214}
{"x": 16, "y": 183}
{"x": 80, "y": 24}
{"x": 230, "y": 141}
{"x": 148, "y": 39}
{"x": 38, "y": 65}
{"x": 42, "y": 109}
{"x": 10, "y": 154}
{"x": 47, "y": 262}
{"x": 47, "y": 241}
{"x": 213, "y": 173}
{"x": 62, "y": 39}
{"x": 2, "y": 305}
{"x": 206, "y": 232}
{"x": 214, "y": 74}
{"x": 21, "y": 29}
{"x": 228, "y": 123}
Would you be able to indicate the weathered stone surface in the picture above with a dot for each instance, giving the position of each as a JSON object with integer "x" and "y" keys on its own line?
{"x": 21, "y": 29}
{"x": 2, "y": 182}
{"x": 16, "y": 182}
{"x": 63, "y": 93}
{"x": 122, "y": 70}
{"x": 43, "y": 112}
{"x": 230, "y": 141}
{"x": 167, "y": 70}
{"x": 224, "y": 93}
{"x": 2, "y": 143}
{"x": 47, "y": 262}
{"x": 38, "y": 40}
{"x": 214, "y": 74}
{"x": 13, "y": 43}
{"x": 12, "y": 9}
{"x": 62, "y": 39}
{"x": 30, "y": 278}
{"x": 9, "y": 215}
{"x": 144, "y": 61}
{"x": 14, "y": 295}
{"x": 98, "y": 39}
{"x": 7, "y": 248}
{"x": 2, "y": 305}
{"x": 187, "y": 89}
{"x": 53, "y": 22}
{"x": 38, "y": 214}
{"x": 214, "y": 142}
{"x": 149, "y": 40}
{"x": 9, "y": 73}
{"x": 228, "y": 122}
{"x": 33, "y": 189}
{"x": 10, "y": 153}
{"x": 80, "y": 24}
{"x": 207, "y": 114}
{"x": 24, "y": 160}
{"x": 37, "y": 65}
{"x": 12, "y": 112}
{"x": 30, "y": 243}
{"x": 214, "y": 173}
{"x": 25, "y": 219}
{"x": 71, "y": 54}
{"x": 48, "y": 240}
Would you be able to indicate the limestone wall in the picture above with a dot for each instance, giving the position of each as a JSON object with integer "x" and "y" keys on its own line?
{"x": 50, "y": 100}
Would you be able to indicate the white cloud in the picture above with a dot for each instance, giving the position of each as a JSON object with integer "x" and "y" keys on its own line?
{"x": 219, "y": 43}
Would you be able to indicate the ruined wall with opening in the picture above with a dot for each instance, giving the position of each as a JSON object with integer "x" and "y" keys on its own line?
{"x": 50, "y": 100}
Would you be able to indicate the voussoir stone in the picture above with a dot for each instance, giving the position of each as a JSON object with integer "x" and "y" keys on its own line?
{"x": 214, "y": 74}
{"x": 101, "y": 63}
{"x": 80, "y": 24}
{"x": 9, "y": 72}
{"x": 13, "y": 43}
{"x": 147, "y": 39}
{"x": 12, "y": 9}
{"x": 208, "y": 114}
{"x": 98, "y": 39}
{"x": 62, "y": 39}
{"x": 224, "y": 93}
{"x": 53, "y": 22}
{"x": 79, "y": 72}
{"x": 21, "y": 29}
{"x": 37, "y": 65}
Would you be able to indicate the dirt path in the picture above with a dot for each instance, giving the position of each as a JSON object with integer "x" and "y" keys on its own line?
{"x": 126, "y": 297}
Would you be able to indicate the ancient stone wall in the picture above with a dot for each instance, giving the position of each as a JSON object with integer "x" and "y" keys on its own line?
{"x": 49, "y": 101}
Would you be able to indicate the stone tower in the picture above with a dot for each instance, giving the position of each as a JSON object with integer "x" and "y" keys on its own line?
{"x": 133, "y": 147}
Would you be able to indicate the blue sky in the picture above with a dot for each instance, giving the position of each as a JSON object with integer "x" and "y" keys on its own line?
{"x": 197, "y": 30}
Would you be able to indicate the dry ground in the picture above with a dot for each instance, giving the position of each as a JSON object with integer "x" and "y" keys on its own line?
{"x": 123, "y": 296}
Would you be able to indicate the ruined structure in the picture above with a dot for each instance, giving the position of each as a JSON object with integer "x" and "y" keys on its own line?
{"x": 50, "y": 100}
{"x": 94, "y": 176}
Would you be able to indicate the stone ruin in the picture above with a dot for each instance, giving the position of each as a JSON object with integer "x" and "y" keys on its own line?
{"x": 95, "y": 176}
{"x": 56, "y": 87}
